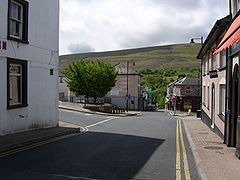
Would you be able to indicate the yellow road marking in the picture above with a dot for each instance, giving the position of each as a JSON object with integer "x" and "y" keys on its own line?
{"x": 178, "y": 163}
{"x": 185, "y": 160}
{"x": 31, "y": 146}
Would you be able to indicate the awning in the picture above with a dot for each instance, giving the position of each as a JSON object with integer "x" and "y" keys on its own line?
{"x": 232, "y": 36}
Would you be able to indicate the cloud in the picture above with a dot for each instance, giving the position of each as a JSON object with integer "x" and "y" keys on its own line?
{"x": 80, "y": 48}
{"x": 120, "y": 24}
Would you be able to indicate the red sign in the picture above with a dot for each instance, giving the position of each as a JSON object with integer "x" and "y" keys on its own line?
{"x": 3, "y": 45}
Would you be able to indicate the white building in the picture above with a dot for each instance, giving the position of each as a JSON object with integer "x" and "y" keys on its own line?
{"x": 29, "y": 35}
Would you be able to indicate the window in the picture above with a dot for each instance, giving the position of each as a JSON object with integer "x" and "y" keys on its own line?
{"x": 222, "y": 59}
{"x": 204, "y": 65}
{"x": 208, "y": 96}
{"x": 207, "y": 62}
{"x": 61, "y": 79}
{"x": 204, "y": 95}
{"x": 17, "y": 83}
{"x": 188, "y": 90}
{"x": 235, "y": 6}
{"x": 222, "y": 99}
{"x": 214, "y": 62}
{"x": 18, "y": 20}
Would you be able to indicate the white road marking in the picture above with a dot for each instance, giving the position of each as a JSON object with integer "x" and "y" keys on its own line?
{"x": 72, "y": 177}
{"x": 101, "y": 122}
{"x": 87, "y": 114}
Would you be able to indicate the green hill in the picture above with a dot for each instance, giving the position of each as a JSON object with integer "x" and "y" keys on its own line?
{"x": 157, "y": 57}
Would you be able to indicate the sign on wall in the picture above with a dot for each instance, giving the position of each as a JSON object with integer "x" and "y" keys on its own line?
{"x": 115, "y": 91}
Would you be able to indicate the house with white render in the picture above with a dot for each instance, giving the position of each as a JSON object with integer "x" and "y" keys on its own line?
{"x": 29, "y": 38}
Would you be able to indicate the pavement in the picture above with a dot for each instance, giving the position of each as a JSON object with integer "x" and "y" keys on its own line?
{"x": 79, "y": 107}
{"x": 214, "y": 159}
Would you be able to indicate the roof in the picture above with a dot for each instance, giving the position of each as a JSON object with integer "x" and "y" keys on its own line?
{"x": 231, "y": 36}
{"x": 218, "y": 29}
{"x": 122, "y": 69}
{"x": 172, "y": 83}
{"x": 188, "y": 81}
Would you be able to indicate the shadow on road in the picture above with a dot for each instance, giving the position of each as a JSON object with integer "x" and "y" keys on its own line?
{"x": 93, "y": 155}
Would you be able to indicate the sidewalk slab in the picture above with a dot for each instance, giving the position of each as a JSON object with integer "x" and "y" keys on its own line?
{"x": 213, "y": 158}
{"x": 80, "y": 108}
{"x": 16, "y": 140}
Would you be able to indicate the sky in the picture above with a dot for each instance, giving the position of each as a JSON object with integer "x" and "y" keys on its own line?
{"x": 104, "y": 25}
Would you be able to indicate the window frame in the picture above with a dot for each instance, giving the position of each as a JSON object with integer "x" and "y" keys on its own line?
{"x": 222, "y": 62}
{"x": 24, "y": 92}
{"x": 213, "y": 62}
{"x": 24, "y": 30}
{"x": 208, "y": 96}
{"x": 222, "y": 101}
{"x": 204, "y": 96}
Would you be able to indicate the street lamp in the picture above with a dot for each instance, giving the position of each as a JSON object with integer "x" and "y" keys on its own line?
{"x": 127, "y": 96}
{"x": 197, "y": 38}
{"x": 200, "y": 88}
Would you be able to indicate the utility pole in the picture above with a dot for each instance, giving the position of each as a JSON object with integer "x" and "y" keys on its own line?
{"x": 127, "y": 87}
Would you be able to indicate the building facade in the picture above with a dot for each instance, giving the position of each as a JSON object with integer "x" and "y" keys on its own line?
{"x": 184, "y": 94}
{"x": 230, "y": 44}
{"x": 214, "y": 78}
{"x": 64, "y": 92}
{"x": 126, "y": 93}
{"x": 126, "y": 83}
{"x": 226, "y": 47}
{"x": 29, "y": 38}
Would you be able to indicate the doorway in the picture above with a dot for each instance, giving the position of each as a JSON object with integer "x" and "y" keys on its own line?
{"x": 213, "y": 107}
{"x": 235, "y": 106}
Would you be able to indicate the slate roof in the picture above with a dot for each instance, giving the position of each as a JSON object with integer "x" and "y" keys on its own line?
{"x": 188, "y": 81}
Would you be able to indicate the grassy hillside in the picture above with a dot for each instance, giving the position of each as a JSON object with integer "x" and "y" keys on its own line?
{"x": 158, "y": 57}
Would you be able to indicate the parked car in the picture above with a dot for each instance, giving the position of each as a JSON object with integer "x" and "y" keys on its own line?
{"x": 80, "y": 101}
{"x": 150, "y": 107}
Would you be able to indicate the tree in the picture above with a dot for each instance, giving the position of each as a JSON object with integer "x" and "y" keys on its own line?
{"x": 90, "y": 78}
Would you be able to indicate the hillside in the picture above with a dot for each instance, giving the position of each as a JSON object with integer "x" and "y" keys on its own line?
{"x": 157, "y": 57}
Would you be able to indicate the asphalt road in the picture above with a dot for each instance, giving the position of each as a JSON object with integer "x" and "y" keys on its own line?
{"x": 114, "y": 148}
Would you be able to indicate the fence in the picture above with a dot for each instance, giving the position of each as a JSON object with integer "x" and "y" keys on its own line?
{"x": 89, "y": 100}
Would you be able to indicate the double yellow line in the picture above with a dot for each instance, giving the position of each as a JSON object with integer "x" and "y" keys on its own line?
{"x": 179, "y": 140}
{"x": 31, "y": 146}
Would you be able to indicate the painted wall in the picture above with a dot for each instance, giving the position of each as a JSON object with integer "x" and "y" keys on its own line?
{"x": 207, "y": 103}
{"x": 119, "y": 91}
{"x": 120, "y": 88}
{"x": 181, "y": 90}
{"x": 42, "y": 55}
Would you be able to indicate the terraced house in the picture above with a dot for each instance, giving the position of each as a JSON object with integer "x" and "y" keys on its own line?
{"x": 214, "y": 78}
{"x": 220, "y": 81}
{"x": 29, "y": 33}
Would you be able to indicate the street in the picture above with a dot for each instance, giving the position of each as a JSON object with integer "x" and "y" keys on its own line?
{"x": 114, "y": 148}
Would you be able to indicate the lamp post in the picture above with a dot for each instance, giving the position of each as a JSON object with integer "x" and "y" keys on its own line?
{"x": 127, "y": 87}
{"x": 197, "y": 38}
{"x": 128, "y": 96}
{"x": 200, "y": 88}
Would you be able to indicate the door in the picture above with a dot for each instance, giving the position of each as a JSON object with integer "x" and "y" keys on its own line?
{"x": 213, "y": 107}
{"x": 235, "y": 105}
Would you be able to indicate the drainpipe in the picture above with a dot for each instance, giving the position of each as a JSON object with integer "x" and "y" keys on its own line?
{"x": 226, "y": 99}
{"x": 229, "y": 99}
